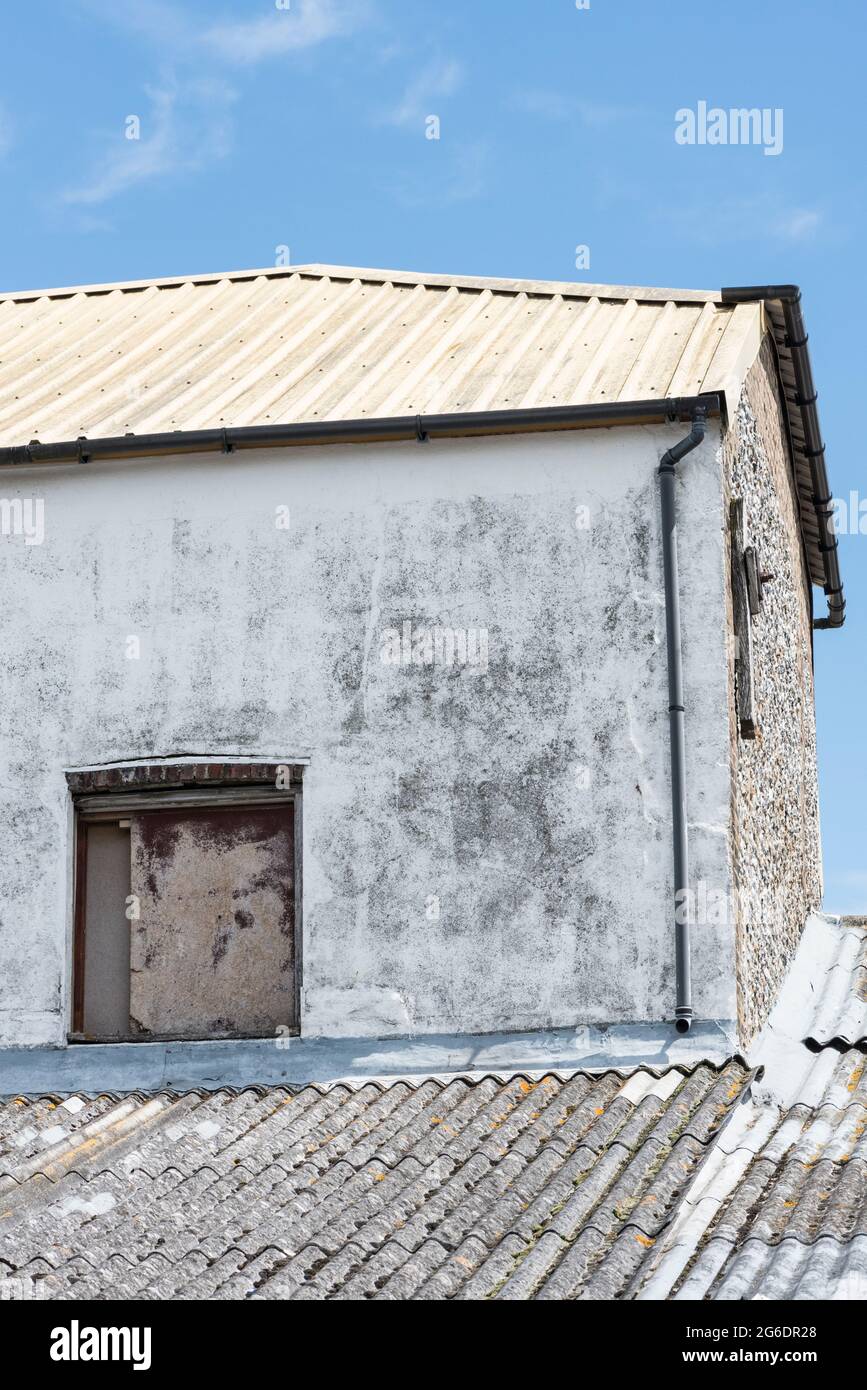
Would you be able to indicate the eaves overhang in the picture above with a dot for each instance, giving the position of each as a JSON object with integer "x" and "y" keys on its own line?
{"x": 782, "y": 305}
{"x": 312, "y": 354}
{"x": 418, "y": 428}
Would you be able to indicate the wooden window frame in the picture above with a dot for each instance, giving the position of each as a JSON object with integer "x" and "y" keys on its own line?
{"x": 159, "y": 786}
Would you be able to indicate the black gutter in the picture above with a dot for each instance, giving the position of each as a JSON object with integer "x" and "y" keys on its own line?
{"x": 683, "y": 1013}
{"x": 405, "y": 427}
{"x": 806, "y": 396}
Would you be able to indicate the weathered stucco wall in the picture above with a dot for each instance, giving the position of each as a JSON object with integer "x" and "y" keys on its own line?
{"x": 483, "y": 848}
{"x": 776, "y": 849}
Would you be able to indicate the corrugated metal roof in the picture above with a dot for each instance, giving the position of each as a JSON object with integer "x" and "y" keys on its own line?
{"x": 460, "y": 1189}
{"x": 317, "y": 343}
{"x": 321, "y": 345}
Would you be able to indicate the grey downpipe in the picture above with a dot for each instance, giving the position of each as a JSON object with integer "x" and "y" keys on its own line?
{"x": 683, "y": 1014}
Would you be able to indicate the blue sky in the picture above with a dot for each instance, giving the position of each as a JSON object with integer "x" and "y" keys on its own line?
{"x": 264, "y": 126}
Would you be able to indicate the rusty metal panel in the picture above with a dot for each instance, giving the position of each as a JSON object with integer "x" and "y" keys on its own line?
{"x": 213, "y": 950}
{"x": 106, "y": 932}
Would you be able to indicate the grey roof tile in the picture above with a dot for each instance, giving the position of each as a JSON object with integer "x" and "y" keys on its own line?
{"x": 797, "y": 1219}
{"x": 446, "y": 1188}
{"x": 790, "y": 1270}
{"x": 493, "y": 1271}
{"x": 534, "y": 1265}
{"x": 285, "y": 1279}
{"x": 841, "y": 1003}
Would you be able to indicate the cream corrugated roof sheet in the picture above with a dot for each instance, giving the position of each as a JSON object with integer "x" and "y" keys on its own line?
{"x": 316, "y": 343}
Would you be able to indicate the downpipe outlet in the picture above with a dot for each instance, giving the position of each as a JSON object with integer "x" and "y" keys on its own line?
{"x": 683, "y": 1013}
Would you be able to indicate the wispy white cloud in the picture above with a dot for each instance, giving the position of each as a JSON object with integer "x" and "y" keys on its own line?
{"x": 390, "y": 51}
{"x": 760, "y": 217}
{"x": 799, "y": 224}
{"x": 467, "y": 178}
{"x": 304, "y": 25}
{"x": 87, "y": 223}
{"x": 555, "y": 106}
{"x": 185, "y": 129}
{"x": 439, "y": 79}
{"x": 462, "y": 177}
{"x": 236, "y": 42}
{"x": 190, "y": 125}
{"x": 157, "y": 21}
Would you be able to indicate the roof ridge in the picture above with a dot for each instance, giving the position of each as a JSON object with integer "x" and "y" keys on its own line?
{"x": 505, "y": 284}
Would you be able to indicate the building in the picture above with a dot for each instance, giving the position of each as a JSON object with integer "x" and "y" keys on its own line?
{"x": 346, "y": 628}
{"x": 408, "y": 751}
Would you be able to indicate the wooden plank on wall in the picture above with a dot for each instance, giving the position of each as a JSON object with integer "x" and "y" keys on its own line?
{"x": 744, "y": 688}
{"x": 106, "y": 932}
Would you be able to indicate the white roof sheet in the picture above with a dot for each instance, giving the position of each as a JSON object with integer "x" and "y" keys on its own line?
{"x": 316, "y": 343}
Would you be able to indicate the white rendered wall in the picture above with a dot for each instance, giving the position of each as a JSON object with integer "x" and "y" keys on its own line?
{"x": 531, "y": 800}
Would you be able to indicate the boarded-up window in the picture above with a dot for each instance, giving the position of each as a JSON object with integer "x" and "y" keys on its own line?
{"x": 185, "y": 917}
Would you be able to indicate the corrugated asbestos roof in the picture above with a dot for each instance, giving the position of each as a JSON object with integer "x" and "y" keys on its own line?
{"x": 689, "y": 1183}
{"x": 557, "y": 1188}
{"x": 795, "y": 1226}
{"x": 825, "y": 997}
{"x": 841, "y": 995}
{"x": 317, "y": 343}
{"x": 779, "y": 1210}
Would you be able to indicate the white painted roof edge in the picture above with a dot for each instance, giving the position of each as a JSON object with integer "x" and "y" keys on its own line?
{"x": 94, "y": 1068}
{"x": 575, "y": 288}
